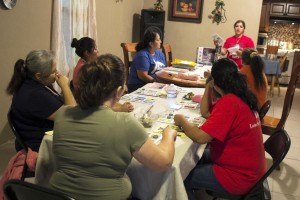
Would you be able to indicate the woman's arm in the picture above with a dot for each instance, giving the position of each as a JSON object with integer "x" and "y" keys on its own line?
{"x": 191, "y": 130}
{"x": 62, "y": 81}
{"x": 144, "y": 76}
{"x": 207, "y": 99}
{"x": 158, "y": 157}
{"x": 125, "y": 107}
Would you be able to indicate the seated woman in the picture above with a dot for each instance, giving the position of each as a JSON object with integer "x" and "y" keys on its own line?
{"x": 254, "y": 69}
{"x": 146, "y": 62}
{"x": 35, "y": 102}
{"x": 235, "y": 158}
{"x": 93, "y": 145}
{"x": 87, "y": 50}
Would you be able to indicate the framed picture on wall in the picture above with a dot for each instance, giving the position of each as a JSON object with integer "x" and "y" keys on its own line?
{"x": 185, "y": 10}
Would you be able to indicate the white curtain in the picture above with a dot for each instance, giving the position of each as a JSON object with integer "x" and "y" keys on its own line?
{"x": 71, "y": 19}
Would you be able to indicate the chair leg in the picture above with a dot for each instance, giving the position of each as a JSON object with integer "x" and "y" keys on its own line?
{"x": 277, "y": 79}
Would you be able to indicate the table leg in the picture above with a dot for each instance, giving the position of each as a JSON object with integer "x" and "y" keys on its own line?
{"x": 272, "y": 85}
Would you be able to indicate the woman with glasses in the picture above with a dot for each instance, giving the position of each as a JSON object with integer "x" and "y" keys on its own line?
{"x": 35, "y": 101}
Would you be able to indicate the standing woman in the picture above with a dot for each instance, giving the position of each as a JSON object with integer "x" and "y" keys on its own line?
{"x": 35, "y": 101}
{"x": 235, "y": 158}
{"x": 87, "y": 50}
{"x": 238, "y": 40}
{"x": 146, "y": 62}
{"x": 254, "y": 69}
{"x": 93, "y": 145}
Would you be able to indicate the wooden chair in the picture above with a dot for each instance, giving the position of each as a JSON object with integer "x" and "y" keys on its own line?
{"x": 281, "y": 63}
{"x": 128, "y": 51}
{"x": 272, "y": 124}
{"x": 277, "y": 146}
{"x": 264, "y": 109}
{"x": 20, "y": 190}
{"x": 167, "y": 50}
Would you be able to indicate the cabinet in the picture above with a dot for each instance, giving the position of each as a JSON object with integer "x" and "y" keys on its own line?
{"x": 285, "y": 9}
{"x": 264, "y": 18}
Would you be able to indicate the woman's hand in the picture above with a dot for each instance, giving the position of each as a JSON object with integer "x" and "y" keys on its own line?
{"x": 178, "y": 119}
{"x": 169, "y": 132}
{"x": 127, "y": 107}
{"x": 62, "y": 80}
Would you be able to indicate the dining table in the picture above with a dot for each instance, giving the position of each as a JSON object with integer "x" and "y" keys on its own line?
{"x": 184, "y": 77}
{"x": 272, "y": 68}
{"x": 148, "y": 184}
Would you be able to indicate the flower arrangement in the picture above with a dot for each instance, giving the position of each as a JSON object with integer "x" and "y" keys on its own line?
{"x": 218, "y": 14}
{"x": 158, "y": 5}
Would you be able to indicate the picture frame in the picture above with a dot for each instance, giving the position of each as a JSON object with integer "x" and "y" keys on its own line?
{"x": 185, "y": 10}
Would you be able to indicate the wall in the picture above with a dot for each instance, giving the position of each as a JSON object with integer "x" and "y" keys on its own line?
{"x": 186, "y": 37}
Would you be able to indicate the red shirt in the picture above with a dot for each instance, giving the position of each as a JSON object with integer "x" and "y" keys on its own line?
{"x": 237, "y": 150}
{"x": 78, "y": 67}
{"x": 243, "y": 42}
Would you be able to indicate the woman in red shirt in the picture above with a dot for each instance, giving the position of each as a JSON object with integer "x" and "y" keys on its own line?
{"x": 235, "y": 158}
{"x": 238, "y": 40}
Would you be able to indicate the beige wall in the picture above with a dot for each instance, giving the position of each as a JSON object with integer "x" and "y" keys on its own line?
{"x": 186, "y": 37}
{"x": 28, "y": 26}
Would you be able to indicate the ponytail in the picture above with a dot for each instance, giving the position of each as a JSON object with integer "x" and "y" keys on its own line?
{"x": 18, "y": 77}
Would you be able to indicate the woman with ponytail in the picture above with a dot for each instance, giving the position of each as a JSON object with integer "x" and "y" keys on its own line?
{"x": 234, "y": 159}
{"x": 87, "y": 50}
{"x": 254, "y": 69}
{"x": 35, "y": 101}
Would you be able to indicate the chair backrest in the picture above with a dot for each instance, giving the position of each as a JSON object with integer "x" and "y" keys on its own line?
{"x": 128, "y": 50}
{"x": 167, "y": 50}
{"x": 264, "y": 109}
{"x": 21, "y": 190}
{"x": 271, "y": 51}
{"x": 282, "y": 62}
{"x": 15, "y": 132}
{"x": 289, "y": 97}
{"x": 277, "y": 145}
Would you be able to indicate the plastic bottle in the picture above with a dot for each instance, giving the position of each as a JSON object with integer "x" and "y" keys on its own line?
{"x": 171, "y": 91}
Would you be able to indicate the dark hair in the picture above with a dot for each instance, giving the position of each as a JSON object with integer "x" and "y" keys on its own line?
{"x": 82, "y": 45}
{"x": 240, "y": 21}
{"x": 250, "y": 57}
{"x": 98, "y": 80}
{"x": 226, "y": 76}
{"x": 148, "y": 37}
{"x": 37, "y": 61}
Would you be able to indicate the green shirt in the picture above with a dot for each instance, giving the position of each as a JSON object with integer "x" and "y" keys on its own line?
{"x": 92, "y": 149}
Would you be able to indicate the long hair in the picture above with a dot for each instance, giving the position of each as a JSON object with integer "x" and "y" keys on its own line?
{"x": 226, "y": 76}
{"x": 148, "y": 37}
{"x": 98, "y": 80}
{"x": 82, "y": 45}
{"x": 37, "y": 61}
{"x": 250, "y": 57}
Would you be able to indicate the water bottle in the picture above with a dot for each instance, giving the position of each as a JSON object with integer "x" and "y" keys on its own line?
{"x": 171, "y": 91}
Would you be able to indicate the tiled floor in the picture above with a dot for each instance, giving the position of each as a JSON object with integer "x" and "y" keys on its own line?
{"x": 284, "y": 184}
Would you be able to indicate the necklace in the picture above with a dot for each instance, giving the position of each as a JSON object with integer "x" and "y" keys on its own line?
{"x": 237, "y": 40}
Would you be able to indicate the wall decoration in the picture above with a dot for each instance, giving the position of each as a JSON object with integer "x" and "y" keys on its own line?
{"x": 158, "y": 5}
{"x": 185, "y": 10}
{"x": 218, "y": 14}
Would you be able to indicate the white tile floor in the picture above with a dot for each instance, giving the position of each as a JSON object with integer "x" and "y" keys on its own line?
{"x": 284, "y": 184}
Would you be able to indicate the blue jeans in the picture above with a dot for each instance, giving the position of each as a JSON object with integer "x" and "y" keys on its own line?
{"x": 202, "y": 177}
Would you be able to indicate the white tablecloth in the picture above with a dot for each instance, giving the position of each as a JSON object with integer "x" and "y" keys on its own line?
{"x": 147, "y": 183}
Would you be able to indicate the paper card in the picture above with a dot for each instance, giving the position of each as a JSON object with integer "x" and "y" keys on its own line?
{"x": 156, "y": 85}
